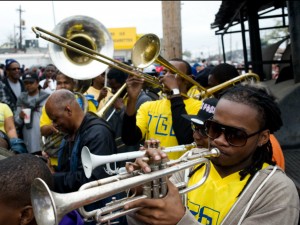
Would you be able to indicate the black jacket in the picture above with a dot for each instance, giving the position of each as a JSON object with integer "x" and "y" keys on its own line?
{"x": 94, "y": 133}
{"x": 10, "y": 98}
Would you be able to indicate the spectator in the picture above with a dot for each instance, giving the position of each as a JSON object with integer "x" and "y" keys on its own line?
{"x": 49, "y": 82}
{"x": 13, "y": 85}
{"x": 152, "y": 92}
{"x": 99, "y": 91}
{"x": 29, "y": 106}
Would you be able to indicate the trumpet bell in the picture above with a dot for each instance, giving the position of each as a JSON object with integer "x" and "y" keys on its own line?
{"x": 145, "y": 51}
{"x": 89, "y": 33}
{"x": 46, "y": 212}
{"x": 87, "y": 163}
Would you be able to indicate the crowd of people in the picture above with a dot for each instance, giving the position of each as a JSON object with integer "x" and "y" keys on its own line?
{"x": 46, "y": 123}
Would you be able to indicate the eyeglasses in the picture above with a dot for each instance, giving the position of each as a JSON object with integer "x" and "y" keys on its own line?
{"x": 199, "y": 129}
{"x": 14, "y": 69}
{"x": 234, "y": 136}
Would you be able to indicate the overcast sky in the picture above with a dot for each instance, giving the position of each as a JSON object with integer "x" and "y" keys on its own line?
{"x": 146, "y": 16}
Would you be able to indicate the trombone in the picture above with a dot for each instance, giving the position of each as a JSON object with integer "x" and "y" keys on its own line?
{"x": 145, "y": 52}
{"x": 49, "y": 207}
{"x": 80, "y": 49}
{"x": 244, "y": 77}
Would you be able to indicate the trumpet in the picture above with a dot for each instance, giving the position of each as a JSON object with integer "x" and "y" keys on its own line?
{"x": 49, "y": 207}
{"x": 91, "y": 161}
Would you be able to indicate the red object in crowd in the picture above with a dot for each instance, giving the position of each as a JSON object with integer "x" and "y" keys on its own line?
{"x": 159, "y": 69}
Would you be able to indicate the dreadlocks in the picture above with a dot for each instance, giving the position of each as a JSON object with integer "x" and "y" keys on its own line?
{"x": 260, "y": 98}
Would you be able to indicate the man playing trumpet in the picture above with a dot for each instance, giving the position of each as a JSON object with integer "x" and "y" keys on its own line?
{"x": 244, "y": 185}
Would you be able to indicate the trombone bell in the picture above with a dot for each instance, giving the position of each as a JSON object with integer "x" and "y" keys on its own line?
{"x": 145, "y": 51}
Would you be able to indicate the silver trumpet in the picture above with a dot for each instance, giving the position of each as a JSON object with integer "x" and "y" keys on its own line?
{"x": 49, "y": 207}
{"x": 91, "y": 161}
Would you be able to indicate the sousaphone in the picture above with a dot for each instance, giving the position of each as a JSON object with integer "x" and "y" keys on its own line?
{"x": 85, "y": 31}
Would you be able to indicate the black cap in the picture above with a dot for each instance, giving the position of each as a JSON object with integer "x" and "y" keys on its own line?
{"x": 31, "y": 77}
{"x": 207, "y": 111}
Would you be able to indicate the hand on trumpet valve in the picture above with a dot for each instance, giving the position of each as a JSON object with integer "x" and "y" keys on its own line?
{"x": 160, "y": 210}
{"x": 151, "y": 143}
{"x": 153, "y": 154}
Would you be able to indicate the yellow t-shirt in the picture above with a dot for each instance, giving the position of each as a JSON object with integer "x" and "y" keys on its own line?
{"x": 5, "y": 112}
{"x": 95, "y": 92}
{"x": 154, "y": 118}
{"x": 211, "y": 202}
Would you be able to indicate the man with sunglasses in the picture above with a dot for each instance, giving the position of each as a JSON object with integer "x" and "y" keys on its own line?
{"x": 244, "y": 185}
{"x": 13, "y": 85}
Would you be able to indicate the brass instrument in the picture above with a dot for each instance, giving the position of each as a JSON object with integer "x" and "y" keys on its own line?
{"x": 92, "y": 54}
{"x": 146, "y": 51}
{"x": 49, "y": 207}
{"x": 91, "y": 161}
{"x": 111, "y": 101}
{"x": 82, "y": 31}
{"x": 247, "y": 76}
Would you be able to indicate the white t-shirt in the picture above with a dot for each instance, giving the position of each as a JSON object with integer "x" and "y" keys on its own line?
{"x": 51, "y": 86}
{"x": 16, "y": 88}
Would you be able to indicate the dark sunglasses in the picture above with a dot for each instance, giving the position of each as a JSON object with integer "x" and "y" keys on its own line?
{"x": 14, "y": 69}
{"x": 199, "y": 129}
{"x": 234, "y": 136}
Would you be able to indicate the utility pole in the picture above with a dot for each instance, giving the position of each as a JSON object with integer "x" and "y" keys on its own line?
{"x": 172, "y": 39}
{"x": 22, "y": 22}
{"x": 15, "y": 35}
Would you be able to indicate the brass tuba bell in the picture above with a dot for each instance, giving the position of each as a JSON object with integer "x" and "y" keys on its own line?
{"x": 87, "y": 32}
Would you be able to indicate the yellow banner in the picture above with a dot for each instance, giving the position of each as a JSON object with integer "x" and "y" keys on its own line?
{"x": 124, "y": 38}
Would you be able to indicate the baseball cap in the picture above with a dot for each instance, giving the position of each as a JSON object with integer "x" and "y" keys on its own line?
{"x": 207, "y": 111}
{"x": 30, "y": 77}
{"x": 197, "y": 64}
{"x": 150, "y": 69}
